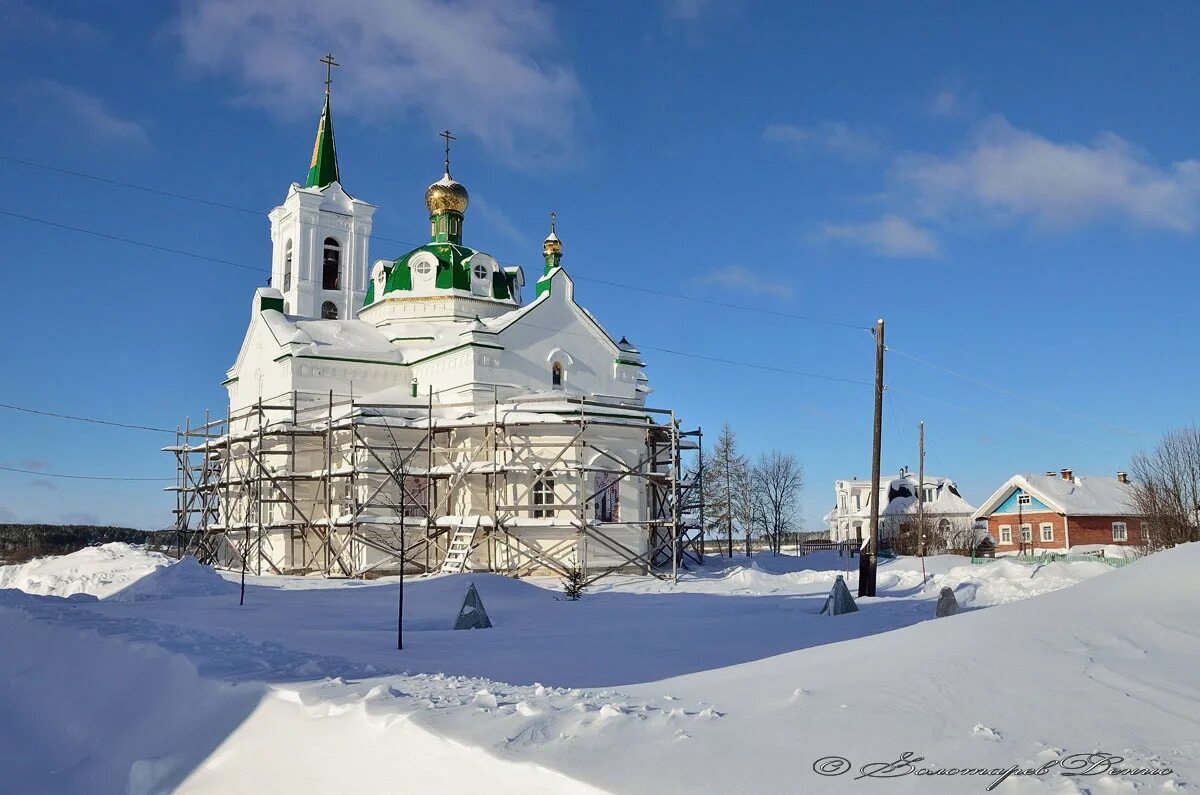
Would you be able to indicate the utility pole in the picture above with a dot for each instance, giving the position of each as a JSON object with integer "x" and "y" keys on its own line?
{"x": 921, "y": 497}
{"x": 867, "y": 557}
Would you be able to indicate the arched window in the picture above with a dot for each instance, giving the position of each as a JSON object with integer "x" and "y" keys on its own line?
{"x": 331, "y": 273}
{"x": 287, "y": 266}
{"x": 329, "y": 311}
{"x": 543, "y": 495}
{"x": 556, "y": 375}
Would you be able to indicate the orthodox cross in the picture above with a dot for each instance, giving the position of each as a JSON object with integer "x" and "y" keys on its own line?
{"x": 329, "y": 64}
{"x": 553, "y": 218}
{"x": 446, "y": 134}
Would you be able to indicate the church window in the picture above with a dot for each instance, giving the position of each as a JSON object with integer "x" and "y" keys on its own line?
{"x": 480, "y": 272}
{"x": 442, "y": 224}
{"x": 543, "y": 495}
{"x": 423, "y": 267}
{"x": 287, "y": 266}
{"x": 329, "y": 311}
{"x": 556, "y": 374}
{"x": 331, "y": 272}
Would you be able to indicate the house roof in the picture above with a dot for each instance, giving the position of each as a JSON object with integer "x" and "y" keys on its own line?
{"x": 1090, "y": 495}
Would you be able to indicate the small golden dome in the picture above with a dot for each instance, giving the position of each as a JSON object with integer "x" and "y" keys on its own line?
{"x": 446, "y": 195}
{"x": 552, "y": 245}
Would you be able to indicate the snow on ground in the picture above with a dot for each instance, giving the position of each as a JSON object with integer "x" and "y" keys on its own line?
{"x": 100, "y": 571}
{"x": 725, "y": 682}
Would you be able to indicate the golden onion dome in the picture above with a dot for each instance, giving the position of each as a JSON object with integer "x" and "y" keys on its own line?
{"x": 552, "y": 245}
{"x": 446, "y": 195}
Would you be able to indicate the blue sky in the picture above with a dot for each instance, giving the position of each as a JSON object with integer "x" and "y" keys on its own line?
{"x": 1012, "y": 186}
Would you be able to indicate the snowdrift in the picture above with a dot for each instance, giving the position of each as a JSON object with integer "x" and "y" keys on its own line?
{"x": 174, "y": 697}
{"x": 100, "y": 571}
{"x": 185, "y": 578}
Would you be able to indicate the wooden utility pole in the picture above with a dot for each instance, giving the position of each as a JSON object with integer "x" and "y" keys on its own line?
{"x": 921, "y": 497}
{"x": 867, "y": 557}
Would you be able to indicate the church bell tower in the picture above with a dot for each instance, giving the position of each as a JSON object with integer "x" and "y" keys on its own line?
{"x": 320, "y": 234}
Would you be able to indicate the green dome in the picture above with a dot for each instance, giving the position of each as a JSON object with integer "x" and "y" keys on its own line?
{"x": 453, "y": 272}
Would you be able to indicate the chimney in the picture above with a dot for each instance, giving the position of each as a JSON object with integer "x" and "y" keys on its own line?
{"x": 1123, "y": 477}
{"x": 1066, "y": 474}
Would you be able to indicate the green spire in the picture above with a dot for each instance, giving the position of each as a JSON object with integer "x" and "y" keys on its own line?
{"x": 324, "y": 168}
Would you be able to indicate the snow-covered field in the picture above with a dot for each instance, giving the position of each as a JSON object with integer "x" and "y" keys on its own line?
{"x": 728, "y": 681}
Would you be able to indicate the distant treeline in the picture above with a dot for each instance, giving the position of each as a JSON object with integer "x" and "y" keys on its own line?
{"x": 21, "y": 542}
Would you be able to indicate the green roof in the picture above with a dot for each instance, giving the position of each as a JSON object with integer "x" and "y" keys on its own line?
{"x": 324, "y": 167}
{"x": 453, "y": 272}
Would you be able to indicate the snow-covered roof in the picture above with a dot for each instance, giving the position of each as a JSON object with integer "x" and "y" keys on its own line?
{"x": 1091, "y": 495}
{"x": 946, "y": 499}
{"x": 340, "y": 338}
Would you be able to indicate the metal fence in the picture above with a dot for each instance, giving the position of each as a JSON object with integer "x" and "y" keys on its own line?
{"x": 1054, "y": 557}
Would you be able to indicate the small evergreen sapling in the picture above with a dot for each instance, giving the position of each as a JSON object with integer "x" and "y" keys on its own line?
{"x": 573, "y": 584}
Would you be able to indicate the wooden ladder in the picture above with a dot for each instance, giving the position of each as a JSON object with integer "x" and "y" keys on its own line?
{"x": 461, "y": 544}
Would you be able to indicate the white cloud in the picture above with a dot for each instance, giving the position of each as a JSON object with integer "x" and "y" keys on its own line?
{"x": 1005, "y": 173}
{"x": 745, "y": 280}
{"x": 828, "y": 137}
{"x": 80, "y": 111}
{"x": 498, "y": 220}
{"x": 891, "y": 236}
{"x": 479, "y": 67}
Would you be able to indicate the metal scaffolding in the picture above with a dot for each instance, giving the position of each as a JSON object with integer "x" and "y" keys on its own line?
{"x": 307, "y": 483}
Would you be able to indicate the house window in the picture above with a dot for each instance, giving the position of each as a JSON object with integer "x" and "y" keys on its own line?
{"x": 556, "y": 375}
{"x": 858, "y": 502}
{"x": 331, "y": 271}
{"x": 1026, "y": 533}
{"x": 1005, "y": 534}
{"x": 1024, "y": 499}
{"x": 1120, "y": 532}
{"x": 287, "y": 266}
{"x": 543, "y": 495}
{"x": 930, "y": 493}
{"x": 1047, "y": 532}
{"x": 329, "y": 311}
{"x": 842, "y": 501}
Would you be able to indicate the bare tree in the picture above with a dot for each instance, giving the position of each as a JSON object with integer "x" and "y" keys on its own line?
{"x": 748, "y": 508}
{"x": 778, "y": 479}
{"x": 1166, "y": 491}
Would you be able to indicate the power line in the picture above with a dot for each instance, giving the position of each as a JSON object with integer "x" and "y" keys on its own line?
{"x": 130, "y": 185}
{"x": 715, "y": 359}
{"x": 1009, "y": 393}
{"x": 250, "y": 211}
{"x": 84, "y": 419}
{"x": 79, "y": 477}
{"x": 994, "y": 417}
{"x": 725, "y": 304}
{"x": 163, "y": 193}
{"x": 130, "y": 241}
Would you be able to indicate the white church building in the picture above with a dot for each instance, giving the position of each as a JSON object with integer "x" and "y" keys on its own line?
{"x": 436, "y": 410}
